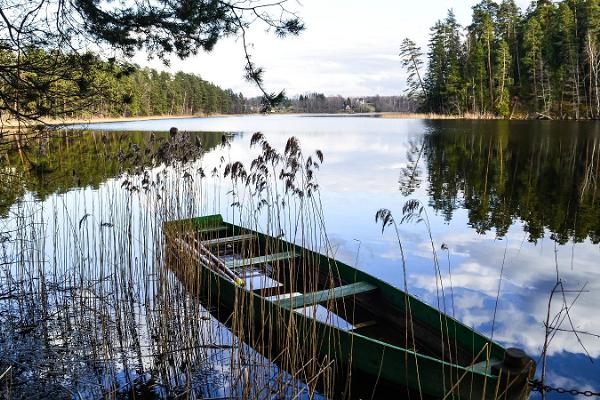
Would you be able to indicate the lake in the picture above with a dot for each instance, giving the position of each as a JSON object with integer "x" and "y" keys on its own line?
{"x": 510, "y": 208}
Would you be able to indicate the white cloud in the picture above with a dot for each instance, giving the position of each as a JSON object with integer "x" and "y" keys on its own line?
{"x": 349, "y": 48}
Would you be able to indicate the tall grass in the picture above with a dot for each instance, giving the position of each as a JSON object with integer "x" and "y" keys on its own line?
{"x": 95, "y": 302}
{"x": 89, "y": 307}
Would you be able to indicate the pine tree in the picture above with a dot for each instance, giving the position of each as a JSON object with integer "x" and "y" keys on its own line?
{"x": 411, "y": 57}
{"x": 454, "y": 60}
{"x": 544, "y": 61}
{"x": 435, "y": 82}
{"x": 532, "y": 57}
{"x": 483, "y": 26}
{"x": 444, "y": 82}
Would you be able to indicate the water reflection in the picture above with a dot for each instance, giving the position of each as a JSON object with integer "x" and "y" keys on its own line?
{"x": 545, "y": 175}
{"x": 55, "y": 163}
{"x": 514, "y": 183}
{"x": 517, "y": 198}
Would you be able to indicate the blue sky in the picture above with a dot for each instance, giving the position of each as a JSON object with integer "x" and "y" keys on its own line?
{"x": 349, "y": 47}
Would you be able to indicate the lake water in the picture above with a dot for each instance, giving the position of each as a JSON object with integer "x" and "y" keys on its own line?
{"x": 511, "y": 207}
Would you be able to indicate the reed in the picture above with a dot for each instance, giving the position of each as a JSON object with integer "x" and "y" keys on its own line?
{"x": 90, "y": 306}
{"x": 98, "y": 298}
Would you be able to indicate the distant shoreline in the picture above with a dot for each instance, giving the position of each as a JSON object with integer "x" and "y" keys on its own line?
{"x": 108, "y": 120}
{"x": 9, "y": 125}
{"x": 388, "y": 115}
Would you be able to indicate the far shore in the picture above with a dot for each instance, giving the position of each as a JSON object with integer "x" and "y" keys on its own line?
{"x": 11, "y": 125}
{"x": 97, "y": 120}
{"x": 107, "y": 120}
{"x": 390, "y": 115}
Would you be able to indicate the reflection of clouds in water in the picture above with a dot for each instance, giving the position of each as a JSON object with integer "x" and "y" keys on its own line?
{"x": 567, "y": 373}
{"x": 529, "y": 275}
{"x": 468, "y": 275}
{"x": 354, "y": 162}
{"x": 469, "y": 300}
{"x": 360, "y": 175}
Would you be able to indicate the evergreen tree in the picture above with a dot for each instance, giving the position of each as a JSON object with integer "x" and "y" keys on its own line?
{"x": 444, "y": 83}
{"x": 482, "y": 28}
{"x": 411, "y": 57}
{"x": 543, "y": 62}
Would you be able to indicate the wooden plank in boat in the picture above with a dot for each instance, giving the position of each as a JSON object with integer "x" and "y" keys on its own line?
{"x": 217, "y": 229}
{"x": 283, "y": 296}
{"x": 246, "y": 262}
{"x": 228, "y": 239}
{"x": 324, "y": 295}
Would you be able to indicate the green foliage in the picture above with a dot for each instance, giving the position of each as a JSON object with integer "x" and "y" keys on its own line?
{"x": 443, "y": 82}
{"x": 410, "y": 55}
{"x": 503, "y": 79}
{"x": 105, "y": 88}
{"x": 61, "y": 31}
{"x": 545, "y": 61}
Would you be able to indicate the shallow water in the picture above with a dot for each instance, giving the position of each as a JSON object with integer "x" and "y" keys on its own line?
{"x": 510, "y": 206}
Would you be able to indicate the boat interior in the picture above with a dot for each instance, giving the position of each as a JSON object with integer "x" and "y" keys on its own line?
{"x": 274, "y": 270}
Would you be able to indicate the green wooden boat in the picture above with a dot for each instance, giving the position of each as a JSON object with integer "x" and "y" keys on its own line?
{"x": 342, "y": 314}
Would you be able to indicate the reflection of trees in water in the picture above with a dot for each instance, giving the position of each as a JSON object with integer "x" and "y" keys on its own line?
{"x": 545, "y": 174}
{"x": 73, "y": 160}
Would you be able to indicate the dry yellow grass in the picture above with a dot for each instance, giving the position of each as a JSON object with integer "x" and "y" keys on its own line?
{"x": 437, "y": 116}
{"x": 12, "y": 123}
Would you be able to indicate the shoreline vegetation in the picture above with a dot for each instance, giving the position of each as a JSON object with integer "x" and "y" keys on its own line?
{"x": 57, "y": 123}
{"x": 385, "y": 115}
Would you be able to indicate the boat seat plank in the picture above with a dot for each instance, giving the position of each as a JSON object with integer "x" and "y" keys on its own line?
{"x": 283, "y": 296}
{"x": 247, "y": 262}
{"x": 216, "y": 229}
{"x": 325, "y": 295}
{"x": 227, "y": 240}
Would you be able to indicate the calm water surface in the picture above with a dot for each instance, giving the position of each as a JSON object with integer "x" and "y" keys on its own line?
{"x": 510, "y": 205}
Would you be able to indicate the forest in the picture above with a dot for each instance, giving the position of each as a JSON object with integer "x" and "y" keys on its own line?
{"x": 45, "y": 86}
{"x": 543, "y": 62}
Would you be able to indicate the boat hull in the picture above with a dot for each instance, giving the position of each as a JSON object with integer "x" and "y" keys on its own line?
{"x": 270, "y": 328}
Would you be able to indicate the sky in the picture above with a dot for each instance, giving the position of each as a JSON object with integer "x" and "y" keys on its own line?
{"x": 349, "y": 48}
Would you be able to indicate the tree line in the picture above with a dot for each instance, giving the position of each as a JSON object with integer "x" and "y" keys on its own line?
{"x": 45, "y": 86}
{"x": 146, "y": 91}
{"x": 46, "y": 67}
{"x": 320, "y": 103}
{"x": 542, "y": 62}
